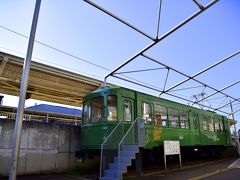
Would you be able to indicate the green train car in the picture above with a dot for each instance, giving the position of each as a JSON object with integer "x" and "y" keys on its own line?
{"x": 164, "y": 120}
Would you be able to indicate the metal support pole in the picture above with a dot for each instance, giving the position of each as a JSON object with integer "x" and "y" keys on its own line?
{"x": 204, "y": 70}
{"x": 139, "y": 163}
{"x": 159, "y": 17}
{"x": 159, "y": 39}
{"x": 165, "y": 83}
{"x": 233, "y": 84}
{"x": 22, "y": 97}
{"x": 198, "y": 4}
{"x": 188, "y": 78}
{"x": 119, "y": 19}
{"x": 216, "y": 109}
{"x": 235, "y": 130}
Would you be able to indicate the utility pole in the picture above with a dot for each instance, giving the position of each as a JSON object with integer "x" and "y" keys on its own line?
{"x": 235, "y": 129}
{"x": 22, "y": 96}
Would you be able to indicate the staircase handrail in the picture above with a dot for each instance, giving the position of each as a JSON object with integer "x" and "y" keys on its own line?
{"x": 104, "y": 142}
{"x": 120, "y": 143}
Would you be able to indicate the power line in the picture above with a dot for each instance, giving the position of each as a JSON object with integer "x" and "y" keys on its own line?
{"x": 56, "y": 49}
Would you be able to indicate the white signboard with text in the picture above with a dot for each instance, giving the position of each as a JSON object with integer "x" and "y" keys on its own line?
{"x": 171, "y": 147}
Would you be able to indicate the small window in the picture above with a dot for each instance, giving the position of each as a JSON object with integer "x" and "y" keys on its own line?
{"x": 112, "y": 108}
{"x": 204, "y": 123}
{"x": 161, "y": 115}
{"x": 210, "y": 124}
{"x": 146, "y": 112}
{"x": 173, "y": 117}
{"x": 195, "y": 121}
{"x": 86, "y": 113}
{"x": 127, "y": 110}
{"x": 184, "y": 120}
{"x": 97, "y": 109}
{"x": 217, "y": 125}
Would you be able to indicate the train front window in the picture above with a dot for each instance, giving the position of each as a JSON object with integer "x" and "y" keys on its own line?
{"x": 86, "y": 112}
{"x": 112, "y": 108}
{"x": 97, "y": 109}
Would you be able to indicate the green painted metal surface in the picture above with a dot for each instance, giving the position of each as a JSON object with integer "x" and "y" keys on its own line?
{"x": 93, "y": 134}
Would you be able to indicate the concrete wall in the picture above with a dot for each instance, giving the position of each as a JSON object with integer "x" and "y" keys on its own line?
{"x": 44, "y": 147}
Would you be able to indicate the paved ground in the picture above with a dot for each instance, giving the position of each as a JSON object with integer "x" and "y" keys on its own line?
{"x": 218, "y": 170}
{"x": 225, "y": 169}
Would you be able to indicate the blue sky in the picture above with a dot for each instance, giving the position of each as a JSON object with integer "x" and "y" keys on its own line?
{"x": 81, "y": 30}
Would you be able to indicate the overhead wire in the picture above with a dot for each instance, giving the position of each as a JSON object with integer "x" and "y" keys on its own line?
{"x": 66, "y": 53}
{"x": 63, "y": 52}
{"x": 56, "y": 49}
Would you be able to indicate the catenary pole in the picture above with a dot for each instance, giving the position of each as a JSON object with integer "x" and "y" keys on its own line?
{"x": 22, "y": 97}
{"x": 235, "y": 130}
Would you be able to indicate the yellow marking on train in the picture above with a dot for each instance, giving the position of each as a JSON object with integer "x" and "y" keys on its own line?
{"x": 156, "y": 134}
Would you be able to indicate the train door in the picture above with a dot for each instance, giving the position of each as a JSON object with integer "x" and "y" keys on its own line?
{"x": 196, "y": 128}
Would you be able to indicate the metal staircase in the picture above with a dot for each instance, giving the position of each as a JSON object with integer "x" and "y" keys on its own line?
{"x": 121, "y": 156}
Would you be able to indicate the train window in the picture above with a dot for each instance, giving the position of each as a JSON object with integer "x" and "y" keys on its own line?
{"x": 97, "y": 109}
{"x": 204, "y": 123}
{"x": 195, "y": 121}
{"x": 160, "y": 115}
{"x": 112, "y": 108}
{"x": 217, "y": 125}
{"x": 86, "y": 112}
{"x": 221, "y": 124}
{"x": 210, "y": 124}
{"x": 184, "y": 120}
{"x": 173, "y": 117}
{"x": 127, "y": 110}
{"x": 146, "y": 112}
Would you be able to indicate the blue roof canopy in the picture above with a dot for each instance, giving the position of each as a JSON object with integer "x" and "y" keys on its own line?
{"x": 56, "y": 109}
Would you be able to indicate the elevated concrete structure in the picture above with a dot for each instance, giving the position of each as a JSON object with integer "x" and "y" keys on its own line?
{"x": 45, "y": 147}
{"x": 46, "y": 83}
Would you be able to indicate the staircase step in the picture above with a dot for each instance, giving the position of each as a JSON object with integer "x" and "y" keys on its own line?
{"x": 124, "y": 160}
{"x": 107, "y": 178}
{"x": 127, "y": 153}
{"x": 113, "y": 166}
{"x": 130, "y": 154}
{"x": 111, "y": 173}
{"x": 130, "y": 147}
